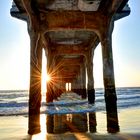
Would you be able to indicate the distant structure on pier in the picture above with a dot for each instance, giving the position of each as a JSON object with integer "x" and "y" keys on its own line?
{"x": 69, "y": 31}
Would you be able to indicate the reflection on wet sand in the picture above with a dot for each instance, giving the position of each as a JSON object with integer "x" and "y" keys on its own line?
{"x": 67, "y": 123}
{"x": 92, "y": 122}
{"x": 85, "y": 122}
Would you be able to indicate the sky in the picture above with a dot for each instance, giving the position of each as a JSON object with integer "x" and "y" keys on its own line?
{"x": 15, "y": 51}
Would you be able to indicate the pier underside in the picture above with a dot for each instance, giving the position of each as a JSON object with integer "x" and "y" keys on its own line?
{"x": 69, "y": 31}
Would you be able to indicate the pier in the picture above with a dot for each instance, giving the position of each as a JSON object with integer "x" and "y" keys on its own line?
{"x": 69, "y": 31}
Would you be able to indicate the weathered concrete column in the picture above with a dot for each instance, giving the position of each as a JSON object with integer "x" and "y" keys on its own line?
{"x": 57, "y": 80}
{"x": 62, "y": 84}
{"x": 35, "y": 84}
{"x": 49, "y": 94}
{"x": 83, "y": 81}
{"x": 60, "y": 80}
{"x": 108, "y": 69}
{"x": 90, "y": 86}
{"x": 54, "y": 81}
{"x": 77, "y": 84}
{"x": 35, "y": 28}
{"x": 73, "y": 85}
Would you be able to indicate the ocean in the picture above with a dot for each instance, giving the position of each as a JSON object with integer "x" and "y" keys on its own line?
{"x": 15, "y": 102}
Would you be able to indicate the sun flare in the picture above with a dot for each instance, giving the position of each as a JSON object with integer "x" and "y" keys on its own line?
{"x": 48, "y": 78}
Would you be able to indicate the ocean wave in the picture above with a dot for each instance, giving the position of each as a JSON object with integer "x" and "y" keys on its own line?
{"x": 16, "y": 102}
{"x": 12, "y": 96}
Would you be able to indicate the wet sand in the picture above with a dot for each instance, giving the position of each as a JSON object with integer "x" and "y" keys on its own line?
{"x": 15, "y": 128}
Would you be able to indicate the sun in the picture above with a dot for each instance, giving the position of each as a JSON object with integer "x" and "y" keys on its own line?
{"x": 48, "y": 78}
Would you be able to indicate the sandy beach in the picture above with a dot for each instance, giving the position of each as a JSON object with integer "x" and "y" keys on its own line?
{"x": 16, "y": 127}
